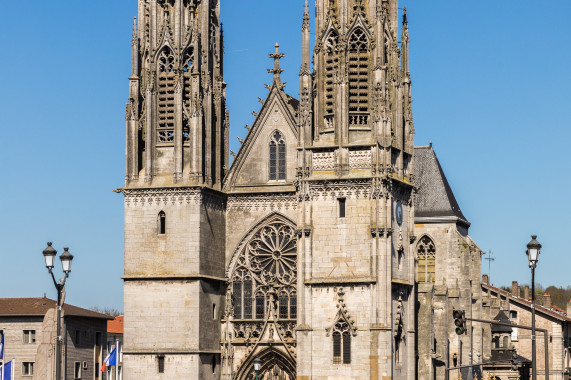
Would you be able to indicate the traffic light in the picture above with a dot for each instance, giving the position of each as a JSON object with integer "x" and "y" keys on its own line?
{"x": 514, "y": 361}
{"x": 459, "y": 321}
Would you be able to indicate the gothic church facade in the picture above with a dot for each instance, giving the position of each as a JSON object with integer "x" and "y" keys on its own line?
{"x": 301, "y": 253}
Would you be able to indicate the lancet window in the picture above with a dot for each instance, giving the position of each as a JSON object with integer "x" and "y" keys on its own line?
{"x": 426, "y": 256}
{"x": 331, "y": 64}
{"x": 166, "y": 82}
{"x": 277, "y": 157}
{"x": 358, "y": 78}
{"x": 265, "y": 272}
{"x": 341, "y": 342}
{"x": 187, "y": 70}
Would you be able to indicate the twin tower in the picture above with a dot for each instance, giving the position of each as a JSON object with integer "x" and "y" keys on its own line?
{"x": 297, "y": 255}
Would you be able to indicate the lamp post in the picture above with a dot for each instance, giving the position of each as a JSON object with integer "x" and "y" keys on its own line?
{"x": 66, "y": 259}
{"x": 533, "y": 251}
{"x": 257, "y": 364}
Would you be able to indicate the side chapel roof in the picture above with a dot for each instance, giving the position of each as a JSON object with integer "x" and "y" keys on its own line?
{"x": 434, "y": 197}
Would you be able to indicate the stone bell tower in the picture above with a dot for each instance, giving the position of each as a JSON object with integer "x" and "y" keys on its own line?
{"x": 177, "y": 125}
{"x": 355, "y": 187}
{"x": 176, "y": 155}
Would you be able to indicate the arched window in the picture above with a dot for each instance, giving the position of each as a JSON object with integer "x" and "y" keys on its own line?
{"x": 277, "y": 157}
{"x": 341, "y": 343}
{"x": 358, "y": 78}
{"x": 187, "y": 70}
{"x": 266, "y": 272}
{"x": 162, "y": 227}
{"x": 331, "y": 64}
{"x": 506, "y": 341}
{"x": 165, "y": 93}
{"x": 425, "y": 253}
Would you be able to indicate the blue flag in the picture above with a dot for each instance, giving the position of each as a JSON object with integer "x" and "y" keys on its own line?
{"x": 2, "y": 347}
{"x": 8, "y": 371}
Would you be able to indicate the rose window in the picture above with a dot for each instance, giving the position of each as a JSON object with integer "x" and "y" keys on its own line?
{"x": 266, "y": 270}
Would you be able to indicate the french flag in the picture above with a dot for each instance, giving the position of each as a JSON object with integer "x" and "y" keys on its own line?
{"x": 110, "y": 359}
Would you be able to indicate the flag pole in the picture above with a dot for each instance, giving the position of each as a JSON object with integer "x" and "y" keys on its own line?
{"x": 3, "y": 350}
{"x": 116, "y": 359}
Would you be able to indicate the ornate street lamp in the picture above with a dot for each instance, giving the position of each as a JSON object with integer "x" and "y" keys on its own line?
{"x": 257, "y": 365}
{"x": 533, "y": 251}
{"x": 66, "y": 259}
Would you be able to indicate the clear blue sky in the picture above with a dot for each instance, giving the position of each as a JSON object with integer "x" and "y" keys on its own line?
{"x": 491, "y": 83}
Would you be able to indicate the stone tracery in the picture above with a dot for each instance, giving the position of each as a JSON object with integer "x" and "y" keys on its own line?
{"x": 266, "y": 267}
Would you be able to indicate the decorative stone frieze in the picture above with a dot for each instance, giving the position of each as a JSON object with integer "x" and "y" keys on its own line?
{"x": 263, "y": 202}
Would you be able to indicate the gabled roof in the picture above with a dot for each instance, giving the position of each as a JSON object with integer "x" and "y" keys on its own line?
{"x": 559, "y": 315}
{"x": 289, "y": 105}
{"x": 434, "y": 197}
{"x": 11, "y": 307}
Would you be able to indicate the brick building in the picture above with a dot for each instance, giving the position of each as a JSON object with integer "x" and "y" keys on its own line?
{"x": 29, "y": 328}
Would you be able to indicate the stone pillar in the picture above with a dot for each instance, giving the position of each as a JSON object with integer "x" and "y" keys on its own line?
{"x": 485, "y": 279}
{"x": 526, "y": 293}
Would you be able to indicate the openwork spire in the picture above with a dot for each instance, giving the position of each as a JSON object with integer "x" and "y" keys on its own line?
{"x": 277, "y": 70}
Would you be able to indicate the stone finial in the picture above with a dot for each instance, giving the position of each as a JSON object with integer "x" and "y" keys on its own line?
{"x": 485, "y": 279}
{"x": 305, "y": 24}
{"x": 276, "y": 70}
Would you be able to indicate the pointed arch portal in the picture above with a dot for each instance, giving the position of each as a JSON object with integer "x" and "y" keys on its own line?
{"x": 274, "y": 366}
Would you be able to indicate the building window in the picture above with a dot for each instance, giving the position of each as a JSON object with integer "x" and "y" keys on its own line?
{"x": 77, "y": 370}
{"x": 162, "y": 223}
{"x": 331, "y": 65}
{"x": 341, "y": 343}
{"x": 161, "y": 363}
{"x": 213, "y": 363}
{"x": 29, "y": 336}
{"x": 277, "y": 157}
{"x": 358, "y": 78}
{"x": 342, "y": 202}
{"x": 28, "y": 369}
{"x": 187, "y": 71}
{"x": 513, "y": 319}
{"x": 426, "y": 256}
{"x": 165, "y": 96}
{"x": 77, "y": 337}
{"x": 266, "y": 268}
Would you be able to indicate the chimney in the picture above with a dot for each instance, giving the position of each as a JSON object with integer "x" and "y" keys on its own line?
{"x": 547, "y": 300}
{"x": 515, "y": 289}
{"x": 569, "y": 308}
{"x": 485, "y": 279}
{"x": 526, "y": 294}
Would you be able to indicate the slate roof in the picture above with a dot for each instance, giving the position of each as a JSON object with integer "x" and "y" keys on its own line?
{"x": 10, "y": 307}
{"x": 293, "y": 102}
{"x": 501, "y": 317}
{"x": 434, "y": 197}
